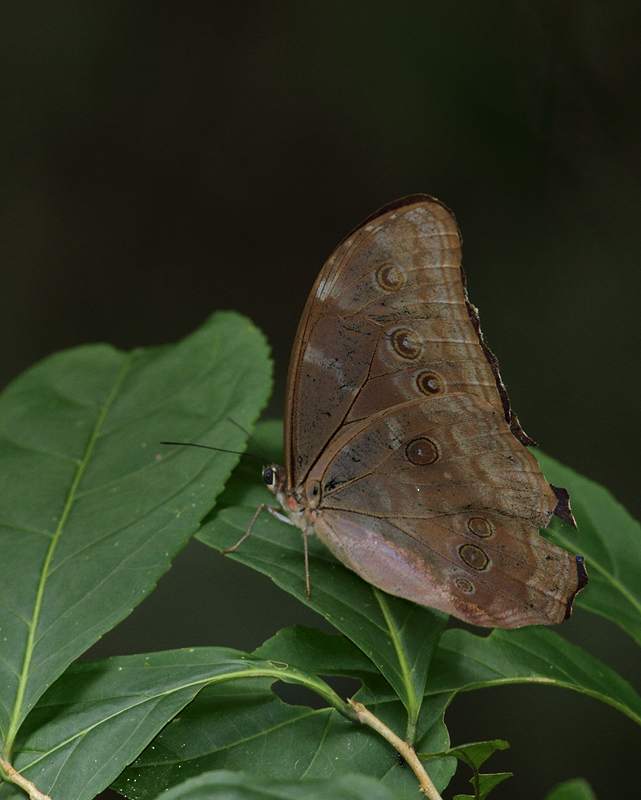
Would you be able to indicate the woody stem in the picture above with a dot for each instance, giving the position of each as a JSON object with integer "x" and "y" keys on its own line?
{"x": 23, "y": 783}
{"x": 406, "y": 750}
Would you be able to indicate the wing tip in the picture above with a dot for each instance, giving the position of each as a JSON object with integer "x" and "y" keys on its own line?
{"x": 402, "y": 202}
{"x": 582, "y": 576}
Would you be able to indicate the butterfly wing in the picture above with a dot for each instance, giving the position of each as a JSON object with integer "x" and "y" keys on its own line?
{"x": 389, "y": 356}
{"x": 430, "y": 500}
{"x": 340, "y": 330}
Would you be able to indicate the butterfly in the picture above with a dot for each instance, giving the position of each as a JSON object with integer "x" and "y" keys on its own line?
{"x": 402, "y": 453}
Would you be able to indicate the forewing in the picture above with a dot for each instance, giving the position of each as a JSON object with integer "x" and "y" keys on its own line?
{"x": 387, "y": 321}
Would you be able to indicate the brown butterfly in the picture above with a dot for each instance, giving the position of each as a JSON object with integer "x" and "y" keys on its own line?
{"x": 401, "y": 450}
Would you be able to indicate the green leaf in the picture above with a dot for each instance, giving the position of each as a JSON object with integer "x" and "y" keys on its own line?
{"x": 99, "y": 715}
{"x": 92, "y": 507}
{"x": 233, "y": 725}
{"x": 474, "y": 755}
{"x": 242, "y": 786}
{"x": 323, "y": 653}
{"x": 465, "y": 661}
{"x": 572, "y": 790}
{"x": 610, "y": 540}
{"x": 483, "y": 785}
{"x": 331, "y": 654}
{"x": 398, "y": 636}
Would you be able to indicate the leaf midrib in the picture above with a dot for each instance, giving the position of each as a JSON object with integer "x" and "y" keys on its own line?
{"x": 196, "y": 684}
{"x": 71, "y": 496}
{"x": 413, "y": 702}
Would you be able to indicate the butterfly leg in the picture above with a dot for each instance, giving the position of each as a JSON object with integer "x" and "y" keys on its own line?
{"x": 276, "y": 513}
{"x": 262, "y": 506}
{"x": 247, "y": 532}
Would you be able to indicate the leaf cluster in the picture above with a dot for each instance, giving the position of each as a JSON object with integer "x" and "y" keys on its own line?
{"x": 92, "y": 511}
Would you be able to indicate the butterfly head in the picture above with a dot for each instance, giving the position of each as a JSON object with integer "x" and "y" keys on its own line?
{"x": 274, "y": 478}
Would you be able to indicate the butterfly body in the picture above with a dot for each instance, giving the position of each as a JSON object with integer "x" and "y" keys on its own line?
{"x": 401, "y": 451}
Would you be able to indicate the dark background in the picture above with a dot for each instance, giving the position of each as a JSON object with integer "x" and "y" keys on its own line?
{"x": 163, "y": 160}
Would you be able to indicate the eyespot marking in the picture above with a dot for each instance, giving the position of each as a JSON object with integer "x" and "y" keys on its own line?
{"x": 479, "y": 526}
{"x": 421, "y": 451}
{"x": 390, "y": 278}
{"x": 473, "y": 556}
{"x": 406, "y": 343}
{"x": 464, "y": 585}
{"x": 429, "y": 383}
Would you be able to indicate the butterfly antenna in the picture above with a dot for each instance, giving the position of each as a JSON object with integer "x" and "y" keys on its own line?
{"x": 270, "y": 460}
{"x": 218, "y": 449}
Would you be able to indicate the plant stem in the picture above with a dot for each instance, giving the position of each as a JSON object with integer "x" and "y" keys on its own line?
{"x": 23, "y": 783}
{"x": 406, "y": 750}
